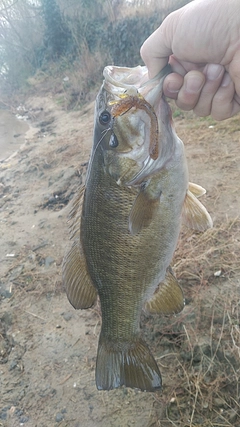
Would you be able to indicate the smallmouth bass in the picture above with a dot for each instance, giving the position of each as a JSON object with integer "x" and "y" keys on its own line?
{"x": 126, "y": 222}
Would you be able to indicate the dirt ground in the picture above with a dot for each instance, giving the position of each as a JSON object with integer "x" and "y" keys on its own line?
{"x": 48, "y": 350}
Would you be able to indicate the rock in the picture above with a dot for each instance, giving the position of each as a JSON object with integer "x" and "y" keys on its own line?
{"x": 232, "y": 416}
{"x": 24, "y": 419}
{"x": 59, "y": 417}
{"x": 186, "y": 355}
{"x": 15, "y": 272}
{"x": 218, "y": 402}
{"x": 18, "y": 412}
{"x": 3, "y": 414}
{"x": 5, "y": 293}
{"x": 197, "y": 354}
{"x": 67, "y": 316}
{"x": 13, "y": 365}
{"x": 48, "y": 261}
{"x": 47, "y": 391}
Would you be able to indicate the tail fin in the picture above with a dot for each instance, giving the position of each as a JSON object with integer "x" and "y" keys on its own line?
{"x": 130, "y": 364}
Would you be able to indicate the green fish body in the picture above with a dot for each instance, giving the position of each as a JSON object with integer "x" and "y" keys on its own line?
{"x": 130, "y": 222}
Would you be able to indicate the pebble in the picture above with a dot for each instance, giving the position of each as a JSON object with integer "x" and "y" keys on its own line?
{"x": 5, "y": 294}
{"x": 13, "y": 365}
{"x": 67, "y": 316}
{"x": 18, "y": 412}
{"x": 24, "y": 419}
{"x": 6, "y": 318}
{"x": 3, "y": 414}
{"x": 219, "y": 403}
{"x": 59, "y": 417}
{"x": 15, "y": 272}
{"x": 232, "y": 416}
{"x": 48, "y": 261}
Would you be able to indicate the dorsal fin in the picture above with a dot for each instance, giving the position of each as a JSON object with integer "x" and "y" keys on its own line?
{"x": 74, "y": 218}
{"x": 196, "y": 189}
{"x": 194, "y": 214}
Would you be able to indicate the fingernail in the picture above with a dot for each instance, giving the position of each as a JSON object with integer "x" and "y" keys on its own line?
{"x": 226, "y": 80}
{"x": 213, "y": 71}
{"x": 172, "y": 87}
{"x": 194, "y": 84}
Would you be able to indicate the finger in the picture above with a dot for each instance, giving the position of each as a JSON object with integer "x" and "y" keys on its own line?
{"x": 177, "y": 66}
{"x": 237, "y": 98}
{"x": 153, "y": 56}
{"x": 224, "y": 104}
{"x": 156, "y": 50}
{"x": 182, "y": 67}
{"x": 189, "y": 93}
{"x": 214, "y": 75}
{"x": 172, "y": 84}
{"x": 234, "y": 68}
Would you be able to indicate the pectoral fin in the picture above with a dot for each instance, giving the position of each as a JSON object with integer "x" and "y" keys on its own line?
{"x": 79, "y": 288}
{"x": 194, "y": 214}
{"x": 142, "y": 212}
{"x": 196, "y": 189}
{"x": 168, "y": 297}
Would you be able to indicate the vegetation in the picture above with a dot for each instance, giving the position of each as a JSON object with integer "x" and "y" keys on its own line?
{"x": 72, "y": 39}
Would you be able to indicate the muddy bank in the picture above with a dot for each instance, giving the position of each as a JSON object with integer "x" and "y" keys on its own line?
{"x": 48, "y": 350}
{"x": 12, "y": 133}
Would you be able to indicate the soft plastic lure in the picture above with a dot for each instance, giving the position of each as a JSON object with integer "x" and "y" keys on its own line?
{"x": 129, "y": 101}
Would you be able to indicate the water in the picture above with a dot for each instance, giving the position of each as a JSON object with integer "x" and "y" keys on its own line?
{"x": 12, "y": 133}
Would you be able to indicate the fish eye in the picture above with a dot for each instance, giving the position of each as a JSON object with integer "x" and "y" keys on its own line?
{"x": 104, "y": 117}
{"x": 113, "y": 142}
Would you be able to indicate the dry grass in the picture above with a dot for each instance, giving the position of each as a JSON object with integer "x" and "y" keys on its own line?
{"x": 202, "y": 384}
{"x": 211, "y": 255}
{"x": 198, "y": 351}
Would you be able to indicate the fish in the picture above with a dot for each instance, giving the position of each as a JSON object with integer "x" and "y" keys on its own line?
{"x": 125, "y": 224}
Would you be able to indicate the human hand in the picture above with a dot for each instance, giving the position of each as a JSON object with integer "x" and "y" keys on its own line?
{"x": 201, "y": 41}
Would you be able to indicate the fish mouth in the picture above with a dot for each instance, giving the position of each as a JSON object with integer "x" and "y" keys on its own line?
{"x": 130, "y": 87}
{"x": 119, "y": 79}
{"x": 124, "y": 77}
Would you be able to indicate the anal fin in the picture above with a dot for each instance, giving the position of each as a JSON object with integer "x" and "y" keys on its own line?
{"x": 126, "y": 363}
{"x": 168, "y": 297}
{"x": 77, "y": 282}
{"x": 194, "y": 214}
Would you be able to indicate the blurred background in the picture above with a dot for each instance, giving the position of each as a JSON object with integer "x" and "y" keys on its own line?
{"x": 68, "y": 43}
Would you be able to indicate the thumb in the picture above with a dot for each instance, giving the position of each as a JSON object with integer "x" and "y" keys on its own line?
{"x": 156, "y": 50}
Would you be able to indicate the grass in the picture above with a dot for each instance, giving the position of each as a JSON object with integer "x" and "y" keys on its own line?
{"x": 206, "y": 365}
{"x": 201, "y": 256}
